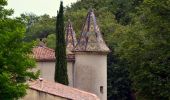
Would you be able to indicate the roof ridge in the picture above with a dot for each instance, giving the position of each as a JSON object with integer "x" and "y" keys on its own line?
{"x": 47, "y": 48}
{"x": 56, "y": 88}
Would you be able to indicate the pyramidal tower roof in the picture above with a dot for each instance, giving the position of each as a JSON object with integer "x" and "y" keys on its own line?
{"x": 71, "y": 40}
{"x": 91, "y": 38}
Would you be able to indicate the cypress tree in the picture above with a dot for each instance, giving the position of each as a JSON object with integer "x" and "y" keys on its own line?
{"x": 60, "y": 52}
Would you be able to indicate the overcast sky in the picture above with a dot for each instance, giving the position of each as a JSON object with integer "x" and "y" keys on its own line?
{"x": 38, "y": 7}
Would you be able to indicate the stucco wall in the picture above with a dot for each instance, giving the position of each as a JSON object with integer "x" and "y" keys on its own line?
{"x": 47, "y": 70}
{"x": 70, "y": 73}
{"x": 37, "y": 95}
{"x": 91, "y": 73}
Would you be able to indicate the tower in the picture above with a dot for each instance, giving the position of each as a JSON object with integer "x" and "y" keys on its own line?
{"x": 71, "y": 40}
{"x": 91, "y": 59}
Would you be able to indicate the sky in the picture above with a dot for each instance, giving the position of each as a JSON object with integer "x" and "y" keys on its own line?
{"x": 38, "y": 7}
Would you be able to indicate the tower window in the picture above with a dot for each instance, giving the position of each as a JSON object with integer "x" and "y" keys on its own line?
{"x": 101, "y": 89}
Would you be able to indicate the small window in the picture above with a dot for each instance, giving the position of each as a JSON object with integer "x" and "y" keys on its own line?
{"x": 101, "y": 89}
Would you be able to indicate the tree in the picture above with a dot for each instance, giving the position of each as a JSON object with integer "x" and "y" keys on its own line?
{"x": 29, "y": 19}
{"x": 60, "y": 52}
{"x": 145, "y": 45}
{"x": 4, "y": 13}
{"x": 15, "y": 59}
{"x": 119, "y": 83}
{"x": 122, "y": 10}
{"x": 118, "y": 80}
{"x": 43, "y": 27}
{"x": 37, "y": 27}
{"x": 51, "y": 41}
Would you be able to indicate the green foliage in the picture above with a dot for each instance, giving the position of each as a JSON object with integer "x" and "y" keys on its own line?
{"x": 145, "y": 45}
{"x": 77, "y": 17}
{"x": 43, "y": 27}
{"x": 15, "y": 60}
{"x": 37, "y": 26}
{"x": 4, "y": 13}
{"x": 51, "y": 41}
{"x": 122, "y": 10}
{"x": 60, "y": 52}
{"x": 119, "y": 82}
{"x": 119, "y": 85}
{"x": 28, "y": 19}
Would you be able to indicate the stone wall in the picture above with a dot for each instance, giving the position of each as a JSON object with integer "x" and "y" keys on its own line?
{"x": 47, "y": 70}
{"x": 91, "y": 74}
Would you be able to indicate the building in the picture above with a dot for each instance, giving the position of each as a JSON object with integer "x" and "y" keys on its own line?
{"x": 91, "y": 59}
{"x": 86, "y": 58}
{"x": 45, "y": 58}
{"x": 46, "y": 90}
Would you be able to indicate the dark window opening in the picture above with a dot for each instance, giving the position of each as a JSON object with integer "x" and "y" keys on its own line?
{"x": 101, "y": 89}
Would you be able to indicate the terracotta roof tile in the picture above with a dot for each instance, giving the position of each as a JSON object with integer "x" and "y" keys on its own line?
{"x": 61, "y": 90}
{"x": 42, "y": 53}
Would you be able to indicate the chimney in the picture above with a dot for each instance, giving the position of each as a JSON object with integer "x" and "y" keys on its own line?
{"x": 41, "y": 82}
{"x": 42, "y": 43}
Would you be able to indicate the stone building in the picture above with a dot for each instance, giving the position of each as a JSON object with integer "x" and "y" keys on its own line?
{"x": 46, "y": 90}
{"x": 86, "y": 58}
{"x": 91, "y": 59}
{"x": 45, "y": 58}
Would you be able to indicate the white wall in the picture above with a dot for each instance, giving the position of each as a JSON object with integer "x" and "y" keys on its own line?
{"x": 91, "y": 73}
{"x": 47, "y": 70}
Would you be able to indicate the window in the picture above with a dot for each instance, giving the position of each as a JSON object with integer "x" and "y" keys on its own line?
{"x": 101, "y": 89}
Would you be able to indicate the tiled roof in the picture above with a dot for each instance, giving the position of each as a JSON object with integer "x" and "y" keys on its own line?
{"x": 42, "y": 53}
{"x": 57, "y": 89}
{"x": 91, "y": 38}
{"x": 71, "y": 40}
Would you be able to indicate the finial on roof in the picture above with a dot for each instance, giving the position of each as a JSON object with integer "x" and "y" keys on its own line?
{"x": 41, "y": 82}
{"x": 71, "y": 40}
{"x": 69, "y": 20}
{"x": 90, "y": 8}
{"x": 91, "y": 38}
{"x": 41, "y": 79}
{"x": 41, "y": 43}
